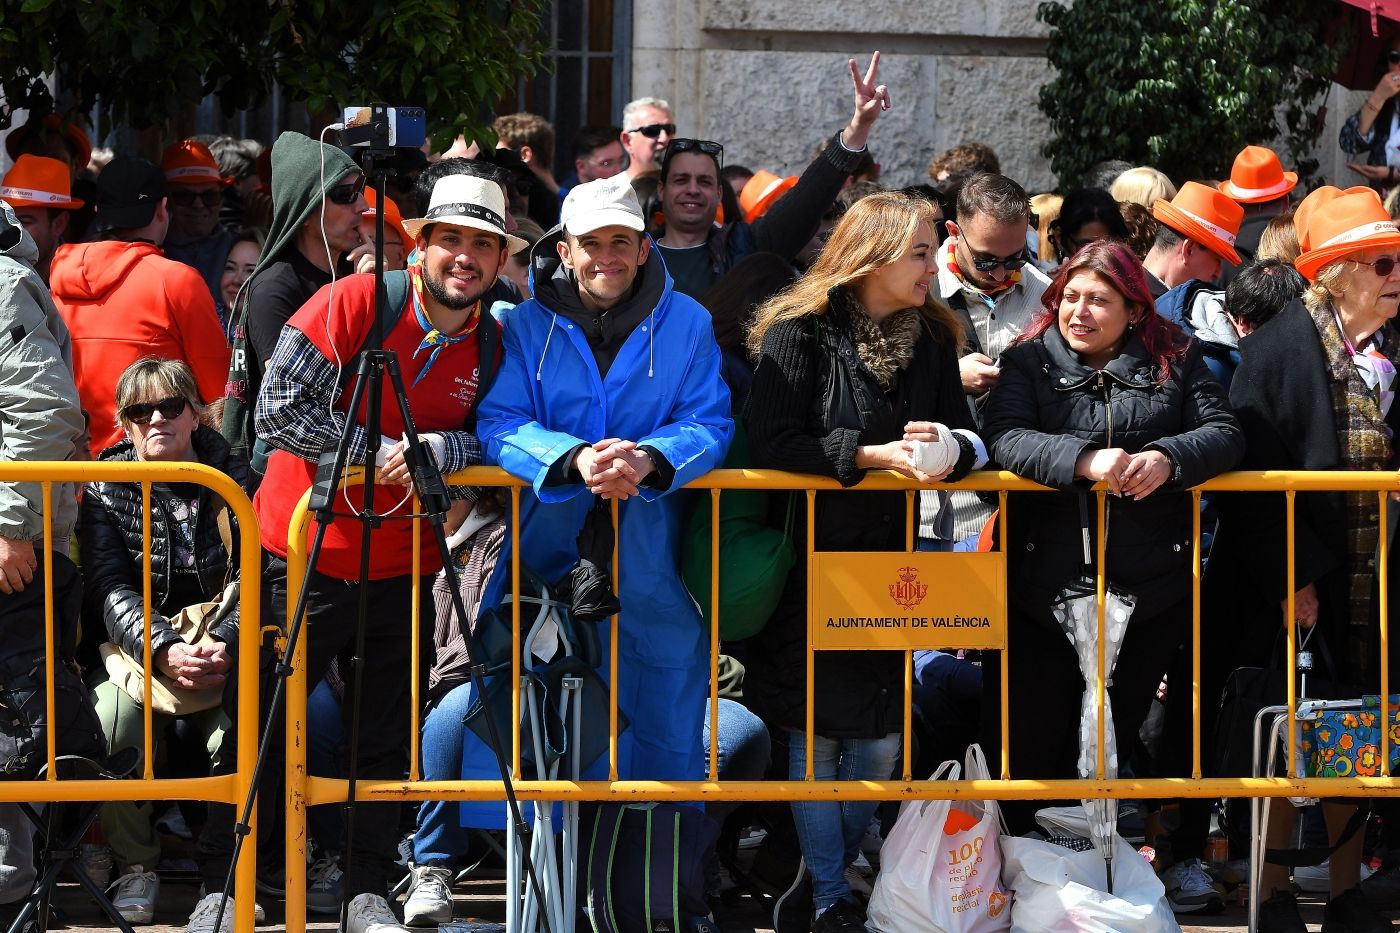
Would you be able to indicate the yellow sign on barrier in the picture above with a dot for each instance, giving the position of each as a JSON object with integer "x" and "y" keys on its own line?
{"x": 903, "y": 601}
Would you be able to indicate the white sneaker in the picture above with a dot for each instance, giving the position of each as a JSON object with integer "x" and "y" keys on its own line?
{"x": 136, "y": 893}
{"x": 259, "y": 915}
{"x": 207, "y": 911}
{"x": 1190, "y": 890}
{"x": 370, "y": 913}
{"x": 429, "y": 896}
{"x": 172, "y": 823}
{"x": 96, "y": 860}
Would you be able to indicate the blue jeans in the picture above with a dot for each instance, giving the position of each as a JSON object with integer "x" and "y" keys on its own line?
{"x": 830, "y": 833}
{"x": 743, "y": 751}
{"x": 324, "y": 758}
{"x": 965, "y": 546}
{"x": 440, "y": 838}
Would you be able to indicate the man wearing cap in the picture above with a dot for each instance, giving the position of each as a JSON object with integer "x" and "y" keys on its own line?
{"x": 195, "y": 194}
{"x": 123, "y": 300}
{"x": 1196, "y": 232}
{"x": 1259, "y": 184}
{"x": 448, "y": 347}
{"x": 318, "y": 208}
{"x": 697, "y": 252}
{"x": 611, "y": 389}
{"x": 38, "y": 188}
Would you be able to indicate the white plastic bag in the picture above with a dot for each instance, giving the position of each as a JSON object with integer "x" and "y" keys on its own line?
{"x": 933, "y": 881}
{"x": 1058, "y": 890}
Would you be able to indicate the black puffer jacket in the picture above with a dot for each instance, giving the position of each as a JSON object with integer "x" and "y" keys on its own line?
{"x": 110, "y": 544}
{"x": 1048, "y": 408}
{"x": 813, "y": 404}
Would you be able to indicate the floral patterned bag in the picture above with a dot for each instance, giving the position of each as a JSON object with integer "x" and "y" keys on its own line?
{"x": 1347, "y": 742}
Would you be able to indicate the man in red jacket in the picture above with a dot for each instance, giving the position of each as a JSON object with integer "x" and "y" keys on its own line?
{"x": 122, "y": 299}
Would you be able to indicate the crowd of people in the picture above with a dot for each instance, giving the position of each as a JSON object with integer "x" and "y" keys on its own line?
{"x": 607, "y": 338}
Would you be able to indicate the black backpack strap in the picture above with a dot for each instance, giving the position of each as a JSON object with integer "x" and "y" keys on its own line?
{"x": 396, "y": 299}
{"x": 488, "y": 342}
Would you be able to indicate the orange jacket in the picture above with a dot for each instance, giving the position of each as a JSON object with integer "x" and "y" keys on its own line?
{"x": 122, "y": 301}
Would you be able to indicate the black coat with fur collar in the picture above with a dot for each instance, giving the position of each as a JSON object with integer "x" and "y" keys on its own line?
{"x": 813, "y": 403}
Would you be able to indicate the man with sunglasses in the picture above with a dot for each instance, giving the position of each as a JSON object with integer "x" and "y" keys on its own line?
{"x": 697, "y": 253}
{"x": 122, "y": 299}
{"x": 647, "y": 127}
{"x": 195, "y": 194}
{"x": 985, "y": 275}
{"x": 318, "y": 207}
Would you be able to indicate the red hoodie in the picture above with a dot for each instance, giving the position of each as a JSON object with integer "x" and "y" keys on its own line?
{"x": 122, "y": 301}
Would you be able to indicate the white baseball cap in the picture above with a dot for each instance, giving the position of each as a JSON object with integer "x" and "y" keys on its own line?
{"x": 606, "y": 202}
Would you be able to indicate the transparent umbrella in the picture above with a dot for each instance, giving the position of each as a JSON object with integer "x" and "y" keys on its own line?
{"x": 1076, "y": 609}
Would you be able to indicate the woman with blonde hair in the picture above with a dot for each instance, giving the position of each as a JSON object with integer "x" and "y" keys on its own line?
{"x": 1142, "y": 185}
{"x": 857, "y": 369}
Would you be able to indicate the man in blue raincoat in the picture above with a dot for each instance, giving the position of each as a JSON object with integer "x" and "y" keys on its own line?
{"x": 610, "y": 387}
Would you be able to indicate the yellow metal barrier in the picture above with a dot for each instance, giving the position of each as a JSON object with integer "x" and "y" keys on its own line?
{"x": 230, "y": 789}
{"x": 303, "y": 790}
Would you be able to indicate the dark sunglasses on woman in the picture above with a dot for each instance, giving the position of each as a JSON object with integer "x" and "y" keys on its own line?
{"x": 1383, "y": 266}
{"x": 188, "y": 198}
{"x": 141, "y": 412}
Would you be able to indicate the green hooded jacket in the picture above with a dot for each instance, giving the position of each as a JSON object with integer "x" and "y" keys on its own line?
{"x": 303, "y": 170}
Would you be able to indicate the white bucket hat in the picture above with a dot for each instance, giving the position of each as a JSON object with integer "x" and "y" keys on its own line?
{"x": 467, "y": 201}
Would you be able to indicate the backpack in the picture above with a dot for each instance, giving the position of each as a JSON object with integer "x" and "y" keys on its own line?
{"x": 24, "y": 668}
{"x": 646, "y": 868}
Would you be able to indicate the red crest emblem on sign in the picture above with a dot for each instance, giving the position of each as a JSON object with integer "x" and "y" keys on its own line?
{"x": 908, "y": 592}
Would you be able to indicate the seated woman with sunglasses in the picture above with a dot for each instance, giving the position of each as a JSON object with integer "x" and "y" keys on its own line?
{"x": 159, "y": 410}
{"x": 1315, "y": 390}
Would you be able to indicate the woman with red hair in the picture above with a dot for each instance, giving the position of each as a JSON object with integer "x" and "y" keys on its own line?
{"x": 1098, "y": 389}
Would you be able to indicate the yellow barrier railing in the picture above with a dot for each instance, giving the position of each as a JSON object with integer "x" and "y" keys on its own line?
{"x": 230, "y": 789}
{"x": 304, "y": 790}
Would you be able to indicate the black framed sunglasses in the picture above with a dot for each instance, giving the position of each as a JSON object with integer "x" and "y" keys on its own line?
{"x": 1393, "y": 56}
{"x": 1382, "y": 267}
{"x": 1010, "y": 263}
{"x": 347, "y": 193}
{"x": 189, "y": 198}
{"x": 681, "y": 144}
{"x": 141, "y": 412}
{"x": 653, "y": 130}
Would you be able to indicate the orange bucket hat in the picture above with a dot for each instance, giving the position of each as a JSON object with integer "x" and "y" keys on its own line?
{"x": 38, "y": 181}
{"x": 76, "y": 139}
{"x": 189, "y": 162}
{"x": 393, "y": 220}
{"x": 1203, "y": 214}
{"x": 761, "y": 191}
{"x": 1257, "y": 176}
{"x": 1333, "y": 224}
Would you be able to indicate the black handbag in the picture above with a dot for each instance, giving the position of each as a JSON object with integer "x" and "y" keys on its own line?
{"x": 1250, "y": 689}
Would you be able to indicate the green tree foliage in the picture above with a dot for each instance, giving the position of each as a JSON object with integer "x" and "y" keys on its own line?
{"x": 1183, "y": 85}
{"x": 148, "y": 60}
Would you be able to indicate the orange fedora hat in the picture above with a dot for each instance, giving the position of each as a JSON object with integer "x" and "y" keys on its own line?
{"x": 1203, "y": 214}
{"x": 1257, "y": 176}
{"x": 77, "y": 140}
{"x": 761, "y": 191}
{"x": 189, "y": 162}
{"x": 38, "y": 181}
{"x": 1333, "y": 224}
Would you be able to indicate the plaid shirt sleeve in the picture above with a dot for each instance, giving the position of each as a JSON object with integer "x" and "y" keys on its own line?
{"x": 296, "y": 407}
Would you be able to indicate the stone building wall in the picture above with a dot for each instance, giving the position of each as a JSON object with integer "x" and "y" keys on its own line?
{"x": 768, "y": 78}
